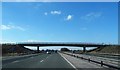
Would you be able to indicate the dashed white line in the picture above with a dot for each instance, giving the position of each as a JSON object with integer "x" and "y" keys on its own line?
{"x": 31, "y": 57}
{"x": 41, "y": 60}
{"x": 47, "y": 57}
{"x": 69, "y": 62}
{"x": 44, "y": 59}
{"x": 15, "y": 61}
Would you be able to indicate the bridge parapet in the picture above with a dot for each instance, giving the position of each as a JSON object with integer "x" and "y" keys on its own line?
{"x": 77, "y": 44}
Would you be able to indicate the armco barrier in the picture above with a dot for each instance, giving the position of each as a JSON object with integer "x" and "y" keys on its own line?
{"x": 98, "y": 62}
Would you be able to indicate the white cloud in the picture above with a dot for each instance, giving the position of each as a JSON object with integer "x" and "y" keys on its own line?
{"x": 45, "y": 13}
{"x": 91, "y": 16}
{"x": 55, "y": 12}
{"x": 69, "y": 17}
{"x": 8, "y": 27}
{"x": 33, "y": 41}
{"x": 97, "y": 14}
{"x": 20, "y": 28}
{"x": 37, "y": 6}
{"x": 7, "y": 42}
{"x": 4, "y": 27}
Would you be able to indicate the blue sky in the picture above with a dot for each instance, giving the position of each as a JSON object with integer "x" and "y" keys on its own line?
{"x": 60, "y": 0}
{"x": 89, "y": 22}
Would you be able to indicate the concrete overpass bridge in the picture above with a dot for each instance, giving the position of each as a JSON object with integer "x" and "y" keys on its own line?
{"x": 70, "y": 44}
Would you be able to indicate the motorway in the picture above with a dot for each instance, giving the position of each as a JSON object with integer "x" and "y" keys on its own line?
{"x": 53, "y": 60}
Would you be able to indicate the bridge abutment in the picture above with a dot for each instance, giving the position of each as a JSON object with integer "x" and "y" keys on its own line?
{"x": 37, "y": 49}
{"x": 84, "y": 49}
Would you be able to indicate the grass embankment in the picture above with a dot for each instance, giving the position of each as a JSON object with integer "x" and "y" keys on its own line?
{"x": 107, "y": 50}
{"x": 8, "y": 50}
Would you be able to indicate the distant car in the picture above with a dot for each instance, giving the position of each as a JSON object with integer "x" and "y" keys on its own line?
{"x": 48, "y": 52}
{"x": 55, "y": 51}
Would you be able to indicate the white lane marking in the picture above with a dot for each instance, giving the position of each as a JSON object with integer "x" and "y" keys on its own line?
{"x": 31, "y": 57}
{"x": 69, "y": 62}
{"x": 44, "y": 59}
{"x": 47, "y": 57}
{"x": 41, "y": 60}
{"x": 15, "y": 61}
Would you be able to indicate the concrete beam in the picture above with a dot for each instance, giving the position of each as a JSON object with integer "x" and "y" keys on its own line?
{"x": 37, "y": 49}
{"x": 84, "y": 49}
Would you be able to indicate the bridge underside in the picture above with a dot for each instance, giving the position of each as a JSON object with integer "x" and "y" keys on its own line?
{"x": 59, "y": 44}
{"x": 84, "y": 49}
{"x": 39, "y": 45}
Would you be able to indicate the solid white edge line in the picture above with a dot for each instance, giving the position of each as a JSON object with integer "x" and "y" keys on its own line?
{"x": 69, "y": 62}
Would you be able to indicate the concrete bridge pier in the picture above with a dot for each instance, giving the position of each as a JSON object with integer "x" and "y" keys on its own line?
{"x": 37, "y": 49}
{"x": 84, "y": 49}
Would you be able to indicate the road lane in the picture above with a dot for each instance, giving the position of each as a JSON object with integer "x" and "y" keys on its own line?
{"x": 53, "y": 60}
{"x": 9, "y": 59}
{"x": 25, "y": 63}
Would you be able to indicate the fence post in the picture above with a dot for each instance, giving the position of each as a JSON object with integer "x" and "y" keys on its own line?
{"x": 101, "y": 63}
{"x": 89, "y": 59}
{"x": 77, "y": 56}
{"x": 74, "y": 55}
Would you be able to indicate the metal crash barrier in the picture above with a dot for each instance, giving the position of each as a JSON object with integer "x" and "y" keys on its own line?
{"x": 98, "y": 62}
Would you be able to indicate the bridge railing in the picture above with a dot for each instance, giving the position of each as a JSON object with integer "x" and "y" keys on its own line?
{"x": 61, "y": 43}
{"x": 57, "y": 43}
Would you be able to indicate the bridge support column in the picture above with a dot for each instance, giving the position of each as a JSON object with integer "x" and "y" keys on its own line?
{"x": 37, "y": 49}
{"x": 84, "y": 49}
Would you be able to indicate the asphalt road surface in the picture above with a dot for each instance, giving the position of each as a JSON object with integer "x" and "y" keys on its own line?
{"x": 53, "y": 60}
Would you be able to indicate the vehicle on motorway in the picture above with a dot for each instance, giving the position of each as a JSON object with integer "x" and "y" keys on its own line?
{"x": 48, "y": 52}
{"x": 55, "y": 51}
